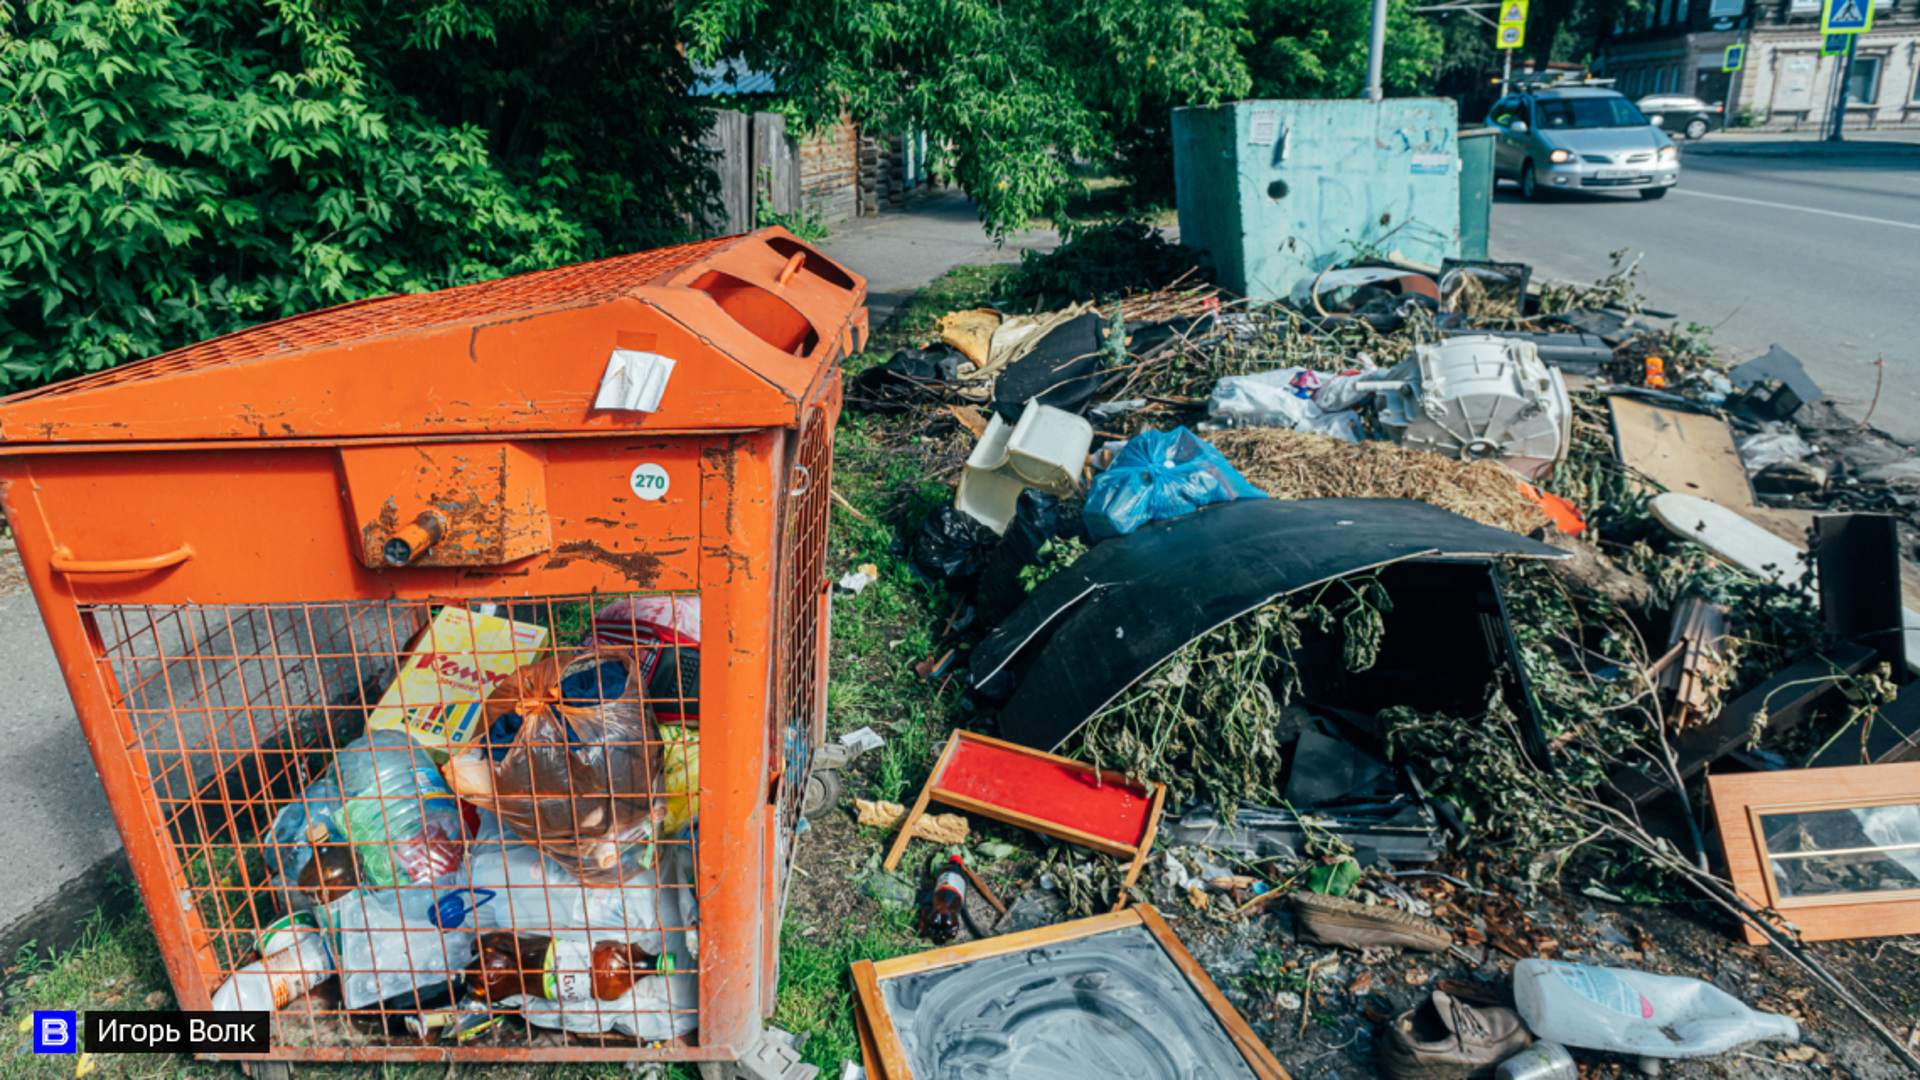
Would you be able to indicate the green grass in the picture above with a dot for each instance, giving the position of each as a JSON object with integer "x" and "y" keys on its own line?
{"x": 816, "y": 993}
{"x": 959, "y": 288}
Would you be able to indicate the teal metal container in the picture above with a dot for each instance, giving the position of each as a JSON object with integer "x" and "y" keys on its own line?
{"x": 1277, "y": 191}
{"x": 1476, "y": 190}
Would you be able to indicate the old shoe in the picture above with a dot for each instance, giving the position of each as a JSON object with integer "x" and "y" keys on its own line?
{"x": 1330, "y": 920}
{"x": 1447, "y": 1039}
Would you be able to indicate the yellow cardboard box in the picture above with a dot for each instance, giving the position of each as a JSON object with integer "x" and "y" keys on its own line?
{"x": 439, "y": 694}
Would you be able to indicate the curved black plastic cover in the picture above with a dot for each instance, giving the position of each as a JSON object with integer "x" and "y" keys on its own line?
{"x": 1131, "y": 602}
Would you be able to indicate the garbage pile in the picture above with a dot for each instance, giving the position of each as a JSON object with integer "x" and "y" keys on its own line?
{"x": 1436, "y": 614}
{"x": 511, "y": 838}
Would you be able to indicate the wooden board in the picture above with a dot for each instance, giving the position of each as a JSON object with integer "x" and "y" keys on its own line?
{"x": 1730, "y": 536}
{"x": 1686, "y": 453}
{"x": 1054, "y": 796}
{"x": 1740, "y": 799}
{"x": 893, "y": 1054}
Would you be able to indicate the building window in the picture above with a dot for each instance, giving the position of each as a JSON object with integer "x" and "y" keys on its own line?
{"x": 1726, "y": 9}
{"x": 1863, "y": 82}
{"x": 1916, "y": 88}
{"x": 1666, "y": 12}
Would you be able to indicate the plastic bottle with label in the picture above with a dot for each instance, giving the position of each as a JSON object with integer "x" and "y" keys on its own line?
{"x": 267, "y": 985}
{"x": 534, "y": 894}
{"x": 949, "y": 897}
{"x": 530, "y": 965}
{"x": 1633, "y": 1012}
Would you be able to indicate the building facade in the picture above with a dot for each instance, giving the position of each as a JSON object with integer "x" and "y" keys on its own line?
{"x": 1784, "y": 83}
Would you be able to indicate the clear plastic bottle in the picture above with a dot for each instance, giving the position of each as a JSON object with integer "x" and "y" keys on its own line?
{"x": 267, "y": 985}
{"x": 397, "y": 811}
{"x": 1633, "y": 1012}
{"x": 289, "y": 850}
{"x": 391, "y": 941}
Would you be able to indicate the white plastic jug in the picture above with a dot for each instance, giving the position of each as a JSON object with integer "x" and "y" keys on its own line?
{"x": 1632, "y": 1012}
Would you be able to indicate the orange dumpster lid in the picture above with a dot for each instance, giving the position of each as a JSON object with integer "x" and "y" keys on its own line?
{"x": 753, "y": 323}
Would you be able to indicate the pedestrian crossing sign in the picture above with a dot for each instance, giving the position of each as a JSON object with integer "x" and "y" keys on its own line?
{"x": 1512, "y": 29}
{"x": 1735, "y": 58}
{"x": 1846, "y": 16}
{"x": 1834, "y": 44}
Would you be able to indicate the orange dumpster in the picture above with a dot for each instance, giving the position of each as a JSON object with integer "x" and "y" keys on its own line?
{"x": 249, "y": 553}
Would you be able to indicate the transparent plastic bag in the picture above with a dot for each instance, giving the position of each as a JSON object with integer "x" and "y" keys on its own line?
{"x": 1160, "y": 475}
{"x": 572, "y": 763}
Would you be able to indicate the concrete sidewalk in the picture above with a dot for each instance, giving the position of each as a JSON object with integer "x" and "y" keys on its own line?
{"x": 58, "y": 845}
{"x": 902, "y": 250}
{"x": 57, "y": 840}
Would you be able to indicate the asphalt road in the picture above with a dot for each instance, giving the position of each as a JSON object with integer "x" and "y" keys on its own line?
{"x": 1818, "y": 254}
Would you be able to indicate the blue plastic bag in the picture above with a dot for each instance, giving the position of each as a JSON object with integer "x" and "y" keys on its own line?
{"x": 1160, "y": 475}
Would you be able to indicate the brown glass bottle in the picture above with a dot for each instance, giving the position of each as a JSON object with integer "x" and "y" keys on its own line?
{"x": 530, "y": 965}
{"x": 332, "y": 872}
{"x": 942, "y": 919}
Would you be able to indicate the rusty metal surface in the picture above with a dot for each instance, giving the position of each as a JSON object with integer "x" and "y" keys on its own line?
{"x": 521, "y": 355}
{"x": 493, "y": 497}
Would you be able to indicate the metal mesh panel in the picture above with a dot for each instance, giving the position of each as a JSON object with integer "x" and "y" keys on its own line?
{"x": 239, "y": 718}
{"x": 573, "y": 286}
{"x": 803, "y": 614}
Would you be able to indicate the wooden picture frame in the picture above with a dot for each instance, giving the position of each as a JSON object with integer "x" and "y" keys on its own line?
{"x": 1741, "y": 800}
{"x": 886, "y": 1055}
{"x": 944, "y": 788}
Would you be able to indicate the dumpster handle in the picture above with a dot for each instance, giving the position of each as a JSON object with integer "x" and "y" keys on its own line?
{"x": 793, "y": 266}
{"x": 64, "y": 562}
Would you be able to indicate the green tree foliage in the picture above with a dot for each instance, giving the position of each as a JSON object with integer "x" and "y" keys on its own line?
{"x": 1013, "y": 93}
{"x": 1318, "y": 48}
{"x": 175, "y": 169}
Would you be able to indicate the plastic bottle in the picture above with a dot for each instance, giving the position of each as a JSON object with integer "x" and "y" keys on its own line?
{"x": 949, "y": 897}
{"x": 531, "y": 965}
{"x": 394, "y": 940}
{"x": 397, "y": 811}
{"x": 533, "y": 894}
{"x": 1541, "y": 1061}
{"x": 1633, "y": 1012}
{"x": 289, "y": 850}
{"x": 331, "y": 871}
{"x": 267, "y": 985}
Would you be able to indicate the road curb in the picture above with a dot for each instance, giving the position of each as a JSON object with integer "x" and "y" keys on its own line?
{"x": 1781, "y": 148}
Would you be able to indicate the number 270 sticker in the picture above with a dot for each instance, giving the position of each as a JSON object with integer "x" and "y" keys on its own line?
{"x": 649, "y": 481}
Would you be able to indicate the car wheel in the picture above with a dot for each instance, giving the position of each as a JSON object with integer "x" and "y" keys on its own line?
{"x": 1696, "y": 129}
{"x": 1530, "y": 183}
{"x": 1653, "y": 193}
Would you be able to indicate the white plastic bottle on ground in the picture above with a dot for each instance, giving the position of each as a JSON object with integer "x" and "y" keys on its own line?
{"x": 267, "y": 985}
{"x": 1632, "y": 1012}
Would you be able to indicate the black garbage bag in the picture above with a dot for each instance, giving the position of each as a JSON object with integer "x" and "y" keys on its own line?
{"x": 1037, "y": 519}
{"x": 952, "y": 546}
{"x": 911, "y": 376}
{"x": 1062, "y": 370}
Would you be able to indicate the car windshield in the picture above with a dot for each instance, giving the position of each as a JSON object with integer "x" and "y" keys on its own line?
{"x": 1558, "y": 114}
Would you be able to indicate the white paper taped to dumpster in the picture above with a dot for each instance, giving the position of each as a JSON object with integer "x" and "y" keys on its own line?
{"x": 1426, "y": 164}
{"x": 634, "y": 381}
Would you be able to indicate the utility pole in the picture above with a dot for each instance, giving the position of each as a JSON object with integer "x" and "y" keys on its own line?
{"x": 1377, "y": 51}
{"x": 1839, "y": 120}
{"x": 1506, "y": 71}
